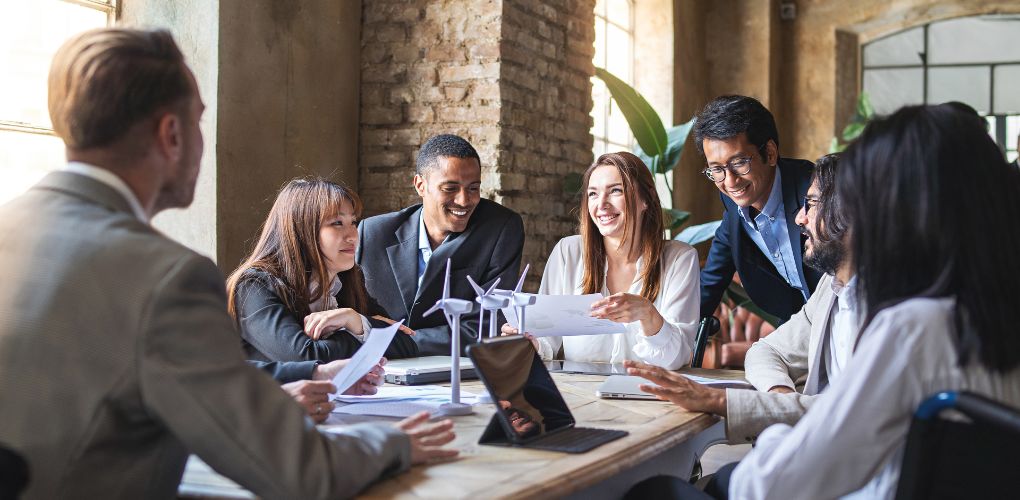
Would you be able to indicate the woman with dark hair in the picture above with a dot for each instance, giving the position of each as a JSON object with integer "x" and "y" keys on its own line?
{"x": 650, "y": 284}
{"x": 300, "y": 295}
{"x": 930, "y": 203}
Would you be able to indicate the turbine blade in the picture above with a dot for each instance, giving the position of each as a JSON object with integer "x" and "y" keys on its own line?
{"x": 446, "y": 282}
{"x": 520, "y": 282}
{"x": 439, "y": 304}
{"x": 493, "y": 287}
{"x": 478, "y": 289}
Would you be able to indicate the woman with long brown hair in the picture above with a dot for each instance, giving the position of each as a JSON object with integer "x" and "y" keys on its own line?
{"x": 300, "y": 295}
{"x": 649, "y": 284}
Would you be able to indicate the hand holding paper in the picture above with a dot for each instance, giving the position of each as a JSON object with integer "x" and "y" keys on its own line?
{"x": 564, "y": 315}
{"x": 366, "y": 357}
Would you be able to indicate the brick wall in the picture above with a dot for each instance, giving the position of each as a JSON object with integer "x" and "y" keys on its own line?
{"x": 510, "y": 76}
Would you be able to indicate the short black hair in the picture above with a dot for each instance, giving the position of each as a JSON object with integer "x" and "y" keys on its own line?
{"x": 448, "y": 145}
{"x": 728, "y": 116}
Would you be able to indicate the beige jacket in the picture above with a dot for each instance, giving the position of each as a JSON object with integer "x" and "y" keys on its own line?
{"x": 791, "y": 356}
{"x": 117, "y": 358}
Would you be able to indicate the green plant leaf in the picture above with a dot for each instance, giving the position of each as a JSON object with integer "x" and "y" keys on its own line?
{"x": 572, "y": 183}
{"x": 853, "y": 131}
{"x": 864, "y": 109}
{"x": 676, "y": 138}
{"x": 643, "y": 120}
{"x": 835, "y": 146}
{"x": 674, "y": 218}
{"x": 699, "y": 233}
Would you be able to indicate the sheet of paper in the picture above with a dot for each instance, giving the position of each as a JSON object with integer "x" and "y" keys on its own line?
{"x": 366, "y": 357}
{"x": 399, "y": 409}
{"x": 400, "y": 401}
{"x": 718, "y": 382}
{"x": 563, "y": 315}
{"x": 407, "y": 392}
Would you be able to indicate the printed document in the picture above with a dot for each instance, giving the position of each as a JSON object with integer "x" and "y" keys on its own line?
{"x": 366, "y": 357}
{"x": 563, "y": 315}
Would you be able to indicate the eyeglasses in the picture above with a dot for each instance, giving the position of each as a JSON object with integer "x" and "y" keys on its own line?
{"x": 809, "y": 203}
{"x": 740, "y": 166}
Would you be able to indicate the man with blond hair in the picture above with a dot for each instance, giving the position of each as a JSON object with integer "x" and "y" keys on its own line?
{"x": 117, "y": 356}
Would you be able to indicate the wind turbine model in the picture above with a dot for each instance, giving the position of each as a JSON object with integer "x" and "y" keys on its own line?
{"x": 453, "y": 309}
{"x": 521, "y": 300}
{"x": 489, "y": 302}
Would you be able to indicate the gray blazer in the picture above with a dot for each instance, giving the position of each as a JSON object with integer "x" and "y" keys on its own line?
{"x": 791, "y": 356}
{"x": 117, "y": 358}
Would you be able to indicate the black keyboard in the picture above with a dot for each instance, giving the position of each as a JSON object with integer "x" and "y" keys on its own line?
{"x": 575, "y": 439}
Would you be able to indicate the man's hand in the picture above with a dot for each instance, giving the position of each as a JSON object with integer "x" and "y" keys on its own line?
{"x": 628, "y": 308}
{"x": 428, "y": 438}
{"x": 506, "y": 330}
{"x": 313, "y": 396}
{"x": 678, "y": 389}
{"x": 368, "y": 385}
{"x": 319, "y": 325}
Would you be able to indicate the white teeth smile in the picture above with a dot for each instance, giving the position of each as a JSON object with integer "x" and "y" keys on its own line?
{"x": 606, "y": 219}
{"x": 459, "y": 213}
{"x": 739, "y": 192}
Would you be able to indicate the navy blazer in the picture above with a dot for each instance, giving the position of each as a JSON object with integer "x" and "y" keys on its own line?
{"x": 489, "y": 248}
{"x": 733, "y": 250}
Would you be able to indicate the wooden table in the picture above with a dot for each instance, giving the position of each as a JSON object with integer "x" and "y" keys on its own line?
{"x": 663, "y": 439}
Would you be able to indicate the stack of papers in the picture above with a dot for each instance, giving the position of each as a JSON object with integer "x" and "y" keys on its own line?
{"x": 562, "y": 315}
{"x": 400, "y": 401}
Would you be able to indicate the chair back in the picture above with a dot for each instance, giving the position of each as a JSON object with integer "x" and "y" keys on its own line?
{"x": 708, "y": 327}
{"x": 13, "y": 474}
{"x": 947, "y": 459}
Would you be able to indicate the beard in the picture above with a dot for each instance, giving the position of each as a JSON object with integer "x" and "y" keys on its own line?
{"x": 825, "y": 257}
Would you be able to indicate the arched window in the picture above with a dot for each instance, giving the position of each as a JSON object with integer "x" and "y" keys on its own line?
{"x": 614, "y": 51}
{"x": 975, "y": 60}
{"x": 30, "y": 32}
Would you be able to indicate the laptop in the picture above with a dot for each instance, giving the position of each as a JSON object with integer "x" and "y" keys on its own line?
{"x": 530, "y": 411}
{"x": 585, "y": 368}
{"x": 627, "y": 386}
{"x": 425, "y": 370}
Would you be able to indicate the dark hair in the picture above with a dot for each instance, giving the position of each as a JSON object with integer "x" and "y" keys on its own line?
{"x": 447, "y": 145}
{"x": 102, "y": 82}
{"x": 932, "y": 203}
{"x": 731, "y": 115}
{"x": 830, "y": 210}
{"x": 638, "y": 186}
{"x": 288, "y": 248}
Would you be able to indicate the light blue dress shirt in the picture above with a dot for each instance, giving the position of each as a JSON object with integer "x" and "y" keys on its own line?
{"x": 424, "y": 248}
{"x": 772, "y": 235}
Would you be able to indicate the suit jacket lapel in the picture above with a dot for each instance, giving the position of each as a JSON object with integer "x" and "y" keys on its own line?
{"x": 820, "y": 332}
{"x": 436, "y": 267}
{"x": 404, "y": 259}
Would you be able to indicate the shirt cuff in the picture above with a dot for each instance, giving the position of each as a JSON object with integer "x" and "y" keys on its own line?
{"x": 366, "y": 328}
{"x": 659, "y": 340}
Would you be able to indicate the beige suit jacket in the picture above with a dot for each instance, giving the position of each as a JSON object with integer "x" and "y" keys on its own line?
{"x": 788, "y": 357}
{"x": 117, "y": 358}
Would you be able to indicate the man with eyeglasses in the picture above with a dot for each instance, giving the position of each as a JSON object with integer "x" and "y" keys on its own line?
{"x": 761, "y": 193}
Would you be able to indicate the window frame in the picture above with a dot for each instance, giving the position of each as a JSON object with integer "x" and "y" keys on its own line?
{"x": 603, "y": 142}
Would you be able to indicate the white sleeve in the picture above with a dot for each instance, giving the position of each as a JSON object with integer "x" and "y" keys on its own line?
{"x": 853, "y": 429}
{"x": 553, "y": 282}
{"x": 679, "y": 297}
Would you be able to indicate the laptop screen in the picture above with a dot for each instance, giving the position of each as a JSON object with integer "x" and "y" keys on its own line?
{"x": 527, "y": 400}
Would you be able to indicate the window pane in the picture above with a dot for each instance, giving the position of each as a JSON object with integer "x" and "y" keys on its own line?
{"x": 24, "y": 159}
{"x": 969, "y": 85}
{"x": 1013, "y": 133}
{"x": 889, "y": 89}
{"x": 30, "y": 32}
{"x": 974, "y": 39}
{"x": 618, "y": 11}
{"x": 618, "y": 48}
{"x": 902, "y": 48}
{"x": 619, "y": 131}
{"x": 1007, "y": 89}
{"x": 600, "y": 99}
{"x": 600, "y": 43}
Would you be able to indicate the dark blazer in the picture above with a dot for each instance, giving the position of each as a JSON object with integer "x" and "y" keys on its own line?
{"x": 734, "y": 250}
{"x": 270, "y": 331}
{"x": 286, "y": 372}
{"x": 489, "y": 248}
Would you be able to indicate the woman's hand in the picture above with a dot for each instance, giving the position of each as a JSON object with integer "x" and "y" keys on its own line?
{"x": 313, "y": 396}
{"x": 366, "y": 386}
{"x": 427, "y": 439}
{"x": 628, "y": 308}
{"x": 319, "y": 325}
{"x": 506, "y": 330}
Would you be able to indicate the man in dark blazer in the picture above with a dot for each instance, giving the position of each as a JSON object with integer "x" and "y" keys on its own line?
{"x": 403, "y": 254}
{"x": 761, "y": 193}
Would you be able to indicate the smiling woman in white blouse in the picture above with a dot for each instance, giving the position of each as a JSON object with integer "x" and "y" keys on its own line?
{"x": 649, "y": 284}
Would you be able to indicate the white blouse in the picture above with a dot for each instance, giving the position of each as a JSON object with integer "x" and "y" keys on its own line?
{"x": 678, "y": 303}
{"x": 851, "y": 441}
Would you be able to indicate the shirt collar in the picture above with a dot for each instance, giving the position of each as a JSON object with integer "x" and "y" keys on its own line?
{"x": 327, "y": 301}
{"x": 773, "y": 204}
{"x": 110, "y": 179}
{"x": 846, "y": 293}
{"x": 423, "y": 237}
